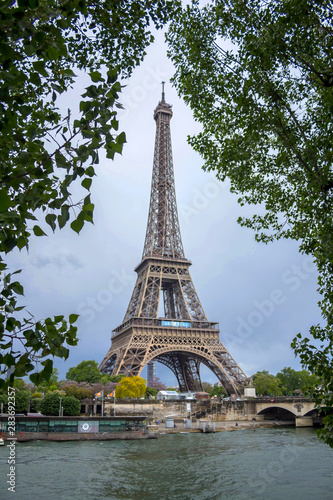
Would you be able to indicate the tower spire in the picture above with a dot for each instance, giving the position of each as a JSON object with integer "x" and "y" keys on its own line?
{"x": 163, "y": 94}
{"x": 163, "y": 231}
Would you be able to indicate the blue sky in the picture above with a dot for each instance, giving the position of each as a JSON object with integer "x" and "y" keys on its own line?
{"x": 261, "y": 295}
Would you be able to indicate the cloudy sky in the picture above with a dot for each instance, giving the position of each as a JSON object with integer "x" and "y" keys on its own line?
{"x": 262, "y": 296}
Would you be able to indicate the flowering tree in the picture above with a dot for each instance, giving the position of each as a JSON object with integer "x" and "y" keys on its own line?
{"x": 157, "y": 384}
{"x": 131, "y": 387}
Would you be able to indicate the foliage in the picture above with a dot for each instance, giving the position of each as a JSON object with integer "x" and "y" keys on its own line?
{"x": 213, "y": 390}
{"x": 53, "y": 400}
{"x": 105, "y": 378}
{"x": 83, "y": 390}
{"x": 293, "y": 380}
{"x": 35, "y": 403}
{"x": 86, "y": 371}
{"x": 116, "y": 378}
{"x": 19, "y": 384}
{"x": 207, "y": 387}
{"x": 71, "y": 406}
{"x": 151, "y": 392}
{"x": 156, "y": 383}
{"x": 218, "y": 391}
{"x": 45, "y": 153}
{"x": 267, "y": 384}
{"x": 75, "y": 390}
{"x": 52, "y": 384}
{"x": 259, "y": 78}
{"x": 4, "y": 402}
{"x": 50, "y": 404}
{"x": 21, "y": 401}
{"x": 131, "y": 387}
{"x": 37, "y": 395}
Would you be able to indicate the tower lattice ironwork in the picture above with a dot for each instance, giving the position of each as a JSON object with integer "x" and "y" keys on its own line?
{"x": 183, "y": 338}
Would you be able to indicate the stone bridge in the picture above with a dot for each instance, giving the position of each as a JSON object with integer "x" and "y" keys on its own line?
{"x": 302, "y": 410}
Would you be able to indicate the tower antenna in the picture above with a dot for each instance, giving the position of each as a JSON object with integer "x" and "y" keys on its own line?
{"x": 163, "y": 93}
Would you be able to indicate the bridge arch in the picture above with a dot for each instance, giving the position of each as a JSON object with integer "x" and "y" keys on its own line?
{"x": 277, "y": 413}
{"x": 186, "y": 361}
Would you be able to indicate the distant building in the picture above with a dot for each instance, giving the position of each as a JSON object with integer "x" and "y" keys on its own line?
{"x": 151, "y": 373}
{"x": 167, "y": 395}
{"x": 187, "y": 395}
{"x": 202, "y": 395}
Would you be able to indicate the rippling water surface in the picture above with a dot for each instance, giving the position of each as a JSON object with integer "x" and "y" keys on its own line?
{"x": 275, "y": 464}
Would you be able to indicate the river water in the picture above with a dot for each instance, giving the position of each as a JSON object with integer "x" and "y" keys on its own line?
{"x": 268, "y": 463}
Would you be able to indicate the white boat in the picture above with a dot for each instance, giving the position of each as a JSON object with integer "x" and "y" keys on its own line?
{"x": 2, "y": 442}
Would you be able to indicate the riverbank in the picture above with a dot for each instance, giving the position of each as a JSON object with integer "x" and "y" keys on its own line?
{"x": 71, "y": 436}
{"x": 114, "y": 428}
{"x": 231, "y": 425}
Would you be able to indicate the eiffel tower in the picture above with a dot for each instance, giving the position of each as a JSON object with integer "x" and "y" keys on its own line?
{"x": 183, "y": 338}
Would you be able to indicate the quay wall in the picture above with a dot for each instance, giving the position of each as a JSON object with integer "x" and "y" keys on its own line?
{"x": 74, "y": 436}
{"x": 159, "y": 410}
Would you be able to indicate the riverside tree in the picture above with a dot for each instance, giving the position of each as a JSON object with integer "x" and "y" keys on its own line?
{"x": 86, "y": 371}
{"x": 259, "y": 78}
{"x": 301, "y": 381}
{"x": 45, "y": 46}
{"x": 54, "y": 401}
{"x": 131, "y": 387}
{"x": 267, "y": 384}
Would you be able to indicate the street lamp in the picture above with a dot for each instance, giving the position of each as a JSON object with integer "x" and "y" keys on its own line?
{"x": 60, "y": 407}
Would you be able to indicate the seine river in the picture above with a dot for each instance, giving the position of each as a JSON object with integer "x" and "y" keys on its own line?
{"x": 268, "y": 463}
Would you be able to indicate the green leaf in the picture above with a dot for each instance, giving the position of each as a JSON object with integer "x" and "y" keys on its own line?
{"x": 121, "y": 138}
{"x": 95, "y": 76}
{"x": 77, "y": 225}
{"x": 5, "y": 201}
{"x": 53, "y": 53}
{"x": 86, "y": 183}
{"x": 64, "y": 217}
{"x": 50, "y": 219}
{"x": 47, "y": 370}
{"x": 90, "y": 171}
{"x": 38, "y": 231}
{"x": 17, "y": 287}
{"x": 73, "y": 318}
{"x": 40, "y": 67}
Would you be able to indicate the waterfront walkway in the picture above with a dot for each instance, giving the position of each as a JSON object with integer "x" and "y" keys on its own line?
{"x": 231, "y": 425}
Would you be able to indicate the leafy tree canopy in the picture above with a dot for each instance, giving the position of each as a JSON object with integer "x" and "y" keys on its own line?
{"x": 207, "y": 387}
{"x": 21, "y": 401}
{"x": 267, "y": 384}
{"x": 259, "y": 78}
{"x": 51, "y": 404}
{"x": 86, "y": 371}
{"x": 115, "y": 378}
{"x": 44, "y": 153}
{"x": 156, "y": 383}
{"x": 218, "y": 391}
{"x": 71, "y": 406}
{"x": 293, "y": 380}
{"x": 131, "y": 387}
{"x": 76, "y": 391}
{"x": 151, "y": 392}
{"x": 19, "y": 384}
